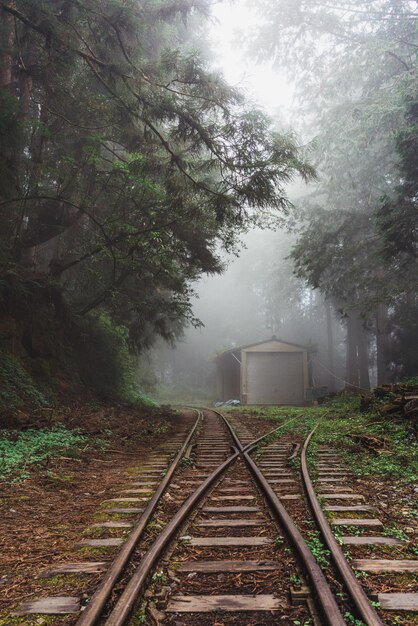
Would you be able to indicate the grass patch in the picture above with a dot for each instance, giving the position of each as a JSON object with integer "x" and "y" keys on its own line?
{"x": 340, "y": 418}
{"x": 321, "y": 554}
{"x": 19, "y": 450}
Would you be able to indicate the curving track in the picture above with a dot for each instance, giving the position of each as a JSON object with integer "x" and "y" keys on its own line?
{"x": 228, "y": 552}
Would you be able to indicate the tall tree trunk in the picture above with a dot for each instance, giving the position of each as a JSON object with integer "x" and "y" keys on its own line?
{"x": 382, "y": 344}
{"x": 363, "y": 354}
{"x": 352, "y": 372}
{"x": 6, "y": 59}
{"x": 330, "y": 346}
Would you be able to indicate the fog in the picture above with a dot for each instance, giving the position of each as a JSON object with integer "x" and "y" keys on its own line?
{"x": 256, "y": 298}
{"x": 259, "y": 296}
{"x": 143, "y": 142}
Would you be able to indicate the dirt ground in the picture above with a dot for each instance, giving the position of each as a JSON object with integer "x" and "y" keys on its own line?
{"x": 43, "y": 517}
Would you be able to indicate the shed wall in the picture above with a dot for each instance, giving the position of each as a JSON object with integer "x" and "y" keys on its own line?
{"x": 275, "y": 378}
{"x": 228, "y": 379}
{"x": 271, "y": 372}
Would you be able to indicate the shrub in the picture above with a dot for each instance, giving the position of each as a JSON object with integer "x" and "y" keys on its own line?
{"x": 105, "y": 363}
{"x": 17, "y": 387}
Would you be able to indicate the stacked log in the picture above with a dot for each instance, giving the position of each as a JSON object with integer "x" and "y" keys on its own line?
{"x": 397, "y": 402}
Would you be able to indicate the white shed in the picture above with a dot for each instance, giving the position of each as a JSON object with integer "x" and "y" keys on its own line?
{"x": 268, "y": 372}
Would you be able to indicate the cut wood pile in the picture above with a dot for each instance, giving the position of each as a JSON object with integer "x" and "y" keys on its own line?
{"x": 396, "y": 402}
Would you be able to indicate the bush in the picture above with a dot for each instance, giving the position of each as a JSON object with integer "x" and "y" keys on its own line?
{"x": 17, "y": 388}
{"x": 105, "y": 362}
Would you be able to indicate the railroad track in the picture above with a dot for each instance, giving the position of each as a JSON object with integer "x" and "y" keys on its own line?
{"x": 226, "y": 547}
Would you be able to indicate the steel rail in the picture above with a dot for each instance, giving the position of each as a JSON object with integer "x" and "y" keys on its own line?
{"x": 102, "y": 593}
{"x": 325, "y": 597}
{"x": 366, "y": 611}
{"x": 125, "y": 604}
{"x": 127, "y": 600}
{"x": 250, "y": 446}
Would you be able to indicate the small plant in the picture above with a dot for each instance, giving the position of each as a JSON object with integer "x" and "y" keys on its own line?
{"x": 158, "y": 525}
{"x": 396, "y": 533}
{"x": 159, "y": 577}
{"x": 295, "y": 580}
{"x": 318, "y": 549}
{"x": 278, "y": 542}
{"x": 139, "y": 617}
{"x": 294, "y": 463}
{"x": 350, "y": 619}
{"x": 18, "y": 450}
{"x": 186, "y": 461}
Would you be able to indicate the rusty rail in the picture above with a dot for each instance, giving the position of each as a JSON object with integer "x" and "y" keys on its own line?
{"x": 102, "y": 593}
{"x": 366, "y": 611}
{"x": 127, "y": 600}
{"x": 125, "y": 604}
{"x": 325, "y": 597}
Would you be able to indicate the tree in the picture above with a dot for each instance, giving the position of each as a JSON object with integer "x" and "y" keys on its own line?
{"x": 126, "y": 161}
{"x": 357, "y": 71}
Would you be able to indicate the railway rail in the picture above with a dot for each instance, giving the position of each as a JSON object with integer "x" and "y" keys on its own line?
{"x": 228, "y": 545}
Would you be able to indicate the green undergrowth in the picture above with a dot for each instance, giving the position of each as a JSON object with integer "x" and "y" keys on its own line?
{"x": 182, "y": 394}
{"x": 339, "y": 419}
{"x": 20, "y": 450}
{"x": 17, "y": 387}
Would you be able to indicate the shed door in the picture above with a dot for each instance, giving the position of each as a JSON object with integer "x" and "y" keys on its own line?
{"x": 275, "y": 378}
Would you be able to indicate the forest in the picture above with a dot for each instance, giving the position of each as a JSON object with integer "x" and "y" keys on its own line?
{"x": 130, "y": 168}
{"x": 208, "y": 312}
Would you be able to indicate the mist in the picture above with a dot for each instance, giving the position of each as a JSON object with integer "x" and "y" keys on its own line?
{"x": 256, "y": 298}
{"x": 206, "y": 176}
{"x": 265, "y": 293}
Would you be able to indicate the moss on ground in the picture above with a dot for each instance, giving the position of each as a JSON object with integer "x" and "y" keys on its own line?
{"x": 36, "y": 619}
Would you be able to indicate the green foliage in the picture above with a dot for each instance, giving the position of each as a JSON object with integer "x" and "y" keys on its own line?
{"x": 318, "y": 549}
{"x": 355, "y": 71}
{"x": 19, "y": 450}
{"x": 106, "y": 363}
{"x": 136, "y": 160}
{"x": 159, "y": 577}
{"x": 139, "y": 617}
{"x": 396, "y": 533}
{"x": 341, "y": 417}
{"x": 352, "y": 620}
{"x": 17, "y": 387}
{"x": 186, "y": 462}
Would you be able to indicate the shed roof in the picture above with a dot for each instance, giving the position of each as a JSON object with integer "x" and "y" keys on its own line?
{"x": 259, "y": 343}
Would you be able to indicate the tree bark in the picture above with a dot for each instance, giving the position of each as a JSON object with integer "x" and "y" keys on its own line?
{"x": 352, "y": 373}
{"x": 363, "y": 354}
{"x": 330, "y": 346}
{"x": 382, "y": 344}
{"x": 6, "y": 59}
